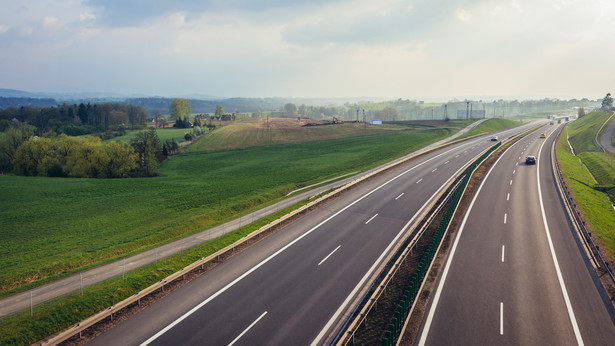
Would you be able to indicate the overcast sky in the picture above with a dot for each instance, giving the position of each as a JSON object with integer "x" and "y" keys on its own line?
{"x": 424, "y": 49}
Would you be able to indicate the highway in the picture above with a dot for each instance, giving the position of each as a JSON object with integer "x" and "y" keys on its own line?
{"x": 293, "y": 286}
{"x": 57, "y": 288}
{"x": 516, "y": 274}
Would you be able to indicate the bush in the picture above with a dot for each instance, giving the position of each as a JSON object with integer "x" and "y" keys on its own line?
{"x": 188, "y": 136}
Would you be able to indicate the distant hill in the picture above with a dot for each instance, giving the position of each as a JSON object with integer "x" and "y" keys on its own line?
{"x": 15, "y": 93}
{"x": 17, "y": 102}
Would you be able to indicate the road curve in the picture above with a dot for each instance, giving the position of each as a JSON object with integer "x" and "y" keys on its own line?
{"x": 516, "y": 273}
{"x": 606, "y": 136}
{"x": 285, "y": 289}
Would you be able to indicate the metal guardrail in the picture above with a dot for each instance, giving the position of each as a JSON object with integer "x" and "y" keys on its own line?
{"x": 108, "y": 313}
{"x": 576, "y": 216}
{"x": 414, "y": 285}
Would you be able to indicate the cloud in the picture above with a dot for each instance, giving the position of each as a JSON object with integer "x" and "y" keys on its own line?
{"x": 463, "y": 15}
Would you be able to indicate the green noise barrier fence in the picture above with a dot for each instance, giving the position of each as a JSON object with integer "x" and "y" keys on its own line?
{"x": 412, "y": 289}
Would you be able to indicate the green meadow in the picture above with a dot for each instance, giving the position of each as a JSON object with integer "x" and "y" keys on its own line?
{"x": 52, "y": 227}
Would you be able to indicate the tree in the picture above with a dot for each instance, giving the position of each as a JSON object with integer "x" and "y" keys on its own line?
{"x": 581, "y": 112}
{"x": 607, "y": 102}
{"x": 219, "y": 111}
{"x": 159, "y": 119}
{"x": 146, "y": 144}
{"x": 122, "y": 159}
{"x": 290, "y": 109}
{"x": 10, "y": 140}
{"x": 180, "y": 109}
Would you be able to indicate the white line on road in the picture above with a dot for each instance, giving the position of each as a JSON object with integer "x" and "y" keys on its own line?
{"x": 371, "y": 219}
{"x": 508, "y": 196}
{"x": 514, "y": 170}
{"x": 246, "y": 330}
{"x": 446, "y": 162}
{"x": 396, "y": 198}
{"x": 324, "y": 259}
{"x": 502, "y": 253}
{"x": 573, "y": 320}
{"x": 504, "y": 218}
{"x": 434, "y": 304}
{"x": 517, "y": 164}
{"x": 435, "y": 169}
{"x": 510, "y": 181}
{"x": 501, "y": 318}
{"x": 519, "y": 157}
{"x": 418, "y": 181}
{"x": 456, "y": 155}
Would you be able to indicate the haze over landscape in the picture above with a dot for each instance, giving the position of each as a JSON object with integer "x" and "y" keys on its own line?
{"x": 390, "y": 48}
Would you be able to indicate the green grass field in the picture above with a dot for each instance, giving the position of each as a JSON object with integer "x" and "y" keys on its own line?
{"x": 583, "y": 130}
{"x": 492, "y": 125}
{"x": 164, "y": 134}
{"x": 596, "y": 207}
{"x": 54, "y": 226}
{"x": 255, "y": 132}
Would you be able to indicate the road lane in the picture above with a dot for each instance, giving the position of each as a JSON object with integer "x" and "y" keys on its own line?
{"x": 299, "y": 296}
{"x": 524, "y": 285}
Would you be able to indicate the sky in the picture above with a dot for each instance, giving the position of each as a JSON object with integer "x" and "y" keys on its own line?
{"x": 423, "y": 49}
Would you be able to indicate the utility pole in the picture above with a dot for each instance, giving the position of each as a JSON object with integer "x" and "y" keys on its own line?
{"x": 364, "y": 123}
{"x": 445, "y": 111}
{"x": 467, "y": 109}
{"x": 357, "y": 115}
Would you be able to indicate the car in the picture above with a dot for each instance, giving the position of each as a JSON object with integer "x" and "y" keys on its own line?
{"x": 552, "y": 123}
{"x": 494, "y": 138}
{"x": 542, "y": 135}
{"x": 530, "y": 160}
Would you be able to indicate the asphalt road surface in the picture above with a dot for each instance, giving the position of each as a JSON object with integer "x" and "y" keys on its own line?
{"x": 516, "y": 274}
{"x": 21, "y": 301}
{"x": 290, "y": 288}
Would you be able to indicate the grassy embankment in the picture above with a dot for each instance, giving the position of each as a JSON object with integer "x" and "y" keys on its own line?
{"x": 60, "y": 313}
{"x": 593, "y": 203}
{"x": 492, "y": 125}
{"x": 74, "y": 222}
{"x": 53, "y": 227}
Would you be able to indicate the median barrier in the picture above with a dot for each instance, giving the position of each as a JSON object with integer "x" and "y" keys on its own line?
{"x": 407, "y": 301}
{"x": 76, "y": 329}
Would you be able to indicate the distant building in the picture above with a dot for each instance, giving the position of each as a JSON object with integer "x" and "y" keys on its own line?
{"x": 375, "y": 121}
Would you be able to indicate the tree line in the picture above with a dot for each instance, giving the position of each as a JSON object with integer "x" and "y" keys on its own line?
{"x": 24, "y": 153}
{"x": 75, "y": 120}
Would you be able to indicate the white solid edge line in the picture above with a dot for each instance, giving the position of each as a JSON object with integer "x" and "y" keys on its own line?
{"x": 434, "y": 304}
{"x": 329, "y": 255}
{"x": 373, "y": 217}
{"x": 246, "y": 330}
{"x": 366, "y": 276}
{"x": 232, "y": 283}
{"x": 573, "y": 320}
{"x": 503, "y": 249}
{"x": 501, "y": 318}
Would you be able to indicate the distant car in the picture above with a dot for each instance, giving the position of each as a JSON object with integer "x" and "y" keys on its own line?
{"x": 542, "y": 135}
{"x": 552, "y": 123}
{"x": 530, "y": 160}
{"x": 494, "y": 138}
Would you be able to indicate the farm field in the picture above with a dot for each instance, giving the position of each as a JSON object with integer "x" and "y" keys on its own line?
{"x": 164, "y": 134}
{"x": 55, "y": 226}
{"x": 259, "y": 132}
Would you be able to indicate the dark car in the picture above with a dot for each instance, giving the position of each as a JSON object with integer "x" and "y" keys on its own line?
{"x": 530, "y": 160}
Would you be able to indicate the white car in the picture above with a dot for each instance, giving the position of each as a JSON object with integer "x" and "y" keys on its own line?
{"x": 494, "y": 138}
